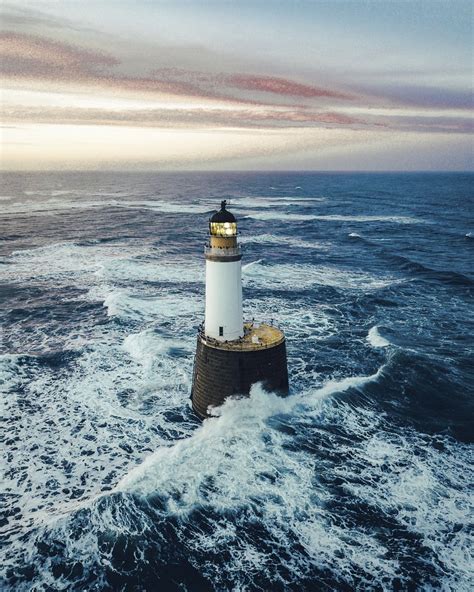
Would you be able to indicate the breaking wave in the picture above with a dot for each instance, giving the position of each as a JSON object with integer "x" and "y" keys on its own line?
{"x": 375, "y": 339}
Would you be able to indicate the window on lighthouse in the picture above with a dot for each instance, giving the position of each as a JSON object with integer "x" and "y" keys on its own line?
{"x": 223, "y": 228}
{"x": 221, "y": 331}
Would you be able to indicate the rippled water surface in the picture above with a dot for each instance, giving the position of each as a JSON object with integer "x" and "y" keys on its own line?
{"x": 361, "y": 479}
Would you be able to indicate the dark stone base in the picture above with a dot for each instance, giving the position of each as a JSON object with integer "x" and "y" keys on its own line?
{"x": 219, "y": 373}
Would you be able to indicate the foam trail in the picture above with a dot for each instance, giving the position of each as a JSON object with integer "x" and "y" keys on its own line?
{"x": 271, "y": 202}
{"x": 333, "y": 218}
{"x": 244, "y": 267}
{"x": 288, "y": 241}
{"x": 303, "y": 276}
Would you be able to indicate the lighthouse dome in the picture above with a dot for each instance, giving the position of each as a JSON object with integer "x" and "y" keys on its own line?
{"x": 223, "y": 222}
{"x": 223, "y": 215}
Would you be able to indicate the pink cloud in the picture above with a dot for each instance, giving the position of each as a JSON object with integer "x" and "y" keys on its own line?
{"x": 282, "y": 86}
{"x": 37, "y": 56}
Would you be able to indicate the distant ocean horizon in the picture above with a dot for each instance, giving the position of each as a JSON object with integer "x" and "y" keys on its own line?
{"x": 177, "y": 171}
{"x": 358, "y": 480}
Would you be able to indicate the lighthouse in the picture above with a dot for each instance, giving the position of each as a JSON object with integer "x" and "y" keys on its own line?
{"x": 231, "y": 354}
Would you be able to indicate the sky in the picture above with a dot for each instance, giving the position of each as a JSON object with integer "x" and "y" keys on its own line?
{"x": 236, "y": 85}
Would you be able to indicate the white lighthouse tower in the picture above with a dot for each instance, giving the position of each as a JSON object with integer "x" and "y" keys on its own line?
{"x": 232, "y": 355}
{"x": 223, "y": 320}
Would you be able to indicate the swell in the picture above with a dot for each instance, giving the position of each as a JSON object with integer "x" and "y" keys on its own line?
{"x": 419, "y": 270}
{"x": 453, "y": 278}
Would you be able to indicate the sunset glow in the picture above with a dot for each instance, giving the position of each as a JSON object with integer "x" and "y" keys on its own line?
{"x": 79, "y": 92}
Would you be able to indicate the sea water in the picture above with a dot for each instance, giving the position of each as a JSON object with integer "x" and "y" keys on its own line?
{"x": 358, "y": 480}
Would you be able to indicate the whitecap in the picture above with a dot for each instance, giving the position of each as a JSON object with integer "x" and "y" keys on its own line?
{"x": 259, "y": 202}
{"x": 142, "y": 306}
{"x": 304, "y": 276}
{"x": 274, "y": 215}
{"x": 248, "y": 265}
{"x": 284, "y": 240}
{"x": 375, "y": 339}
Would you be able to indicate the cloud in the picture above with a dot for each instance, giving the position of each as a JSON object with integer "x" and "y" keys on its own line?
{"x": 32, "y": 57}
{"x": 181, "y": 117}
{"x": 428, "y": 96}
{"x": 193, "y": 98}
{"x": 183, "y": 98}
{"x": 18, "y": 17}
{"x": 282, "y": 86}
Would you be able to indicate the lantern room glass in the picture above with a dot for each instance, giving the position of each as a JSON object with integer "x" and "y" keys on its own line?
{"x": 223, "y": 228}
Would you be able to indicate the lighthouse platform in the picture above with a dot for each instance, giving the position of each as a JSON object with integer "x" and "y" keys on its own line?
{"x": 256, "y": 336}
{"x": 229, "y": 368}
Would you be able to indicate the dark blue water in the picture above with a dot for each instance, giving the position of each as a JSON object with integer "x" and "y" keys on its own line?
{"x": 361, "y": 479}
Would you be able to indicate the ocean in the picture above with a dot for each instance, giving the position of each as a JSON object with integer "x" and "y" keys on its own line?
{"x": 360, "y": 479}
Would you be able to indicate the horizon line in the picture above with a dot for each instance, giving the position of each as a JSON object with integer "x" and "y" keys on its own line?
{"x": 233, "y": 171}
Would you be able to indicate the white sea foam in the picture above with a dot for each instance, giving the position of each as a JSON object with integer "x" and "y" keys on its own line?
{"x": 166, "y": 305}
{"x": 237, "y": 422}
{"x": 238, "y": 460}
{"x": 375, "y": 339}
{"x": 284, "y": 240}
{"x": 66, "y": 261}
{"x": 75, "y": 200}
{"x": 165, "y": 206}
{"x": 99, "y": 267}
{"x": 303, "y": 276}
{"x": 259, "y": 202}
{"x": 274, "y": 215}
{"x": 427, "y": 489}
{"x": 10, "y": 374}
{"x": 248, "y": 265}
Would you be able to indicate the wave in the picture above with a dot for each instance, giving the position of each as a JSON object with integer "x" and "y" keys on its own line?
{"x": 162, "y": 306}
{"x": 428, "y": 273}
{"x": 259, "y": 202}
{"x": 234, "y": 419}
{"x": 284, "y": 240}
{"x": 101, "y": 263}
{"x": 165, "y": 206}
{"x": 375, "y": 339}
{"x": 273, "y": 215}
{"x": 406, "y": 264}
{"x": 304, "y": 276}
{"x": 59, "y": 201}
